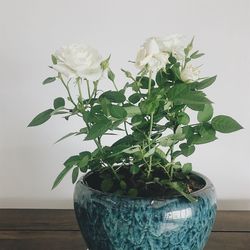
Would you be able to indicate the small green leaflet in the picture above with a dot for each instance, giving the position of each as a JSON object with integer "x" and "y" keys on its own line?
{"x": 114, "y": 96}
{"x": 54, "y": 59}
{"x": 83, "y": 163}
{"x": 132, "y": 192}
{"x": 106, "y": 185}
{"x": 132, "y": 111}
{"x": 61, "y": 175}
{"x": 98, "y": 129}
{"x": 187, "y": 149}
{"x": 181, "y": 93}
{"x": 66, "y": 136}
{"x": 187, "y": 168}
{"x": 225, "y": 124}
{"x": 111, "y": 75}
{"x": 41, "y": 118}
{"x": 117, "y": 111}
{"x": 134, "y": 98}
{"x": 206, "y": 83}
{"x": 75, "y": 173}
{"x": 206, "y": 114}
{"x": 59, "y": 102}
{"x": 183, "y": 118}
{"x": 134, "y": 169}
{"x": 49, "y": 80}
{"x": 71, "y": 161}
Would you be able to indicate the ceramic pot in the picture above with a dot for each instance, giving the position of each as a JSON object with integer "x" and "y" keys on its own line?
{"x": 111, "y": 222}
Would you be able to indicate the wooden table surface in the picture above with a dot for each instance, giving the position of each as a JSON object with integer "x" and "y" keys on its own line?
{"x": 44, "y": 229}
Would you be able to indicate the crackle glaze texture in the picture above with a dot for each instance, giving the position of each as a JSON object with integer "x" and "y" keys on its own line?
{"x": 110, "y": 222}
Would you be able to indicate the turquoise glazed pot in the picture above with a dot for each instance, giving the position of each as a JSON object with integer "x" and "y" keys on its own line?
{"x": 111, "y": 222}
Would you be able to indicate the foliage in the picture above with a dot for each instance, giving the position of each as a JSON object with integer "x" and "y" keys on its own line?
{"x": 154, "y": 117}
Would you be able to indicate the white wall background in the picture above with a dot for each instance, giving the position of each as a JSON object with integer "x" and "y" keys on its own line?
{"x": 31, "y": 30}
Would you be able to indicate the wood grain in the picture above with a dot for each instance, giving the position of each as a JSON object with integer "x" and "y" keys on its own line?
{"x": 45, "y": 229}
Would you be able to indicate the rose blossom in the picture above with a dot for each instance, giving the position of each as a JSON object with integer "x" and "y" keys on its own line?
{"x": 78, "y": 60}
{"x": 173, "y": 44}
{"x": 190, "y": 73}
{"x": 150, "y": 54}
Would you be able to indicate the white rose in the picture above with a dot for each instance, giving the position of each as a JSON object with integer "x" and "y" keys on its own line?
{"x": 190, "y": 73}
{"x": 78, "y": 60}
{"x": 173, "y": 44}
{"x": 150, "y": 54}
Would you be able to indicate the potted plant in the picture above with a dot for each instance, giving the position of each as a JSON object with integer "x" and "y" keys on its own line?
{"x": 136, "y": 194}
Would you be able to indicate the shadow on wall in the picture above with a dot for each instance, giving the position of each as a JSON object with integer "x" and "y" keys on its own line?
{"x": 68, "y": 204}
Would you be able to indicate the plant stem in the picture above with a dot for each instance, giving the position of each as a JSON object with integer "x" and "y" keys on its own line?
{"x": 80, "y": 92}
{"x": 125, "y": 127}
{"x": 151, "y": 124}
{"x": 97, "y": 142}
{"x": 87, "y": 81}
{"x": 68, "y": 91}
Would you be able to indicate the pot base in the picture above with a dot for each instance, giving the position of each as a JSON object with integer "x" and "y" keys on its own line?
{"x": 110, "y": 222}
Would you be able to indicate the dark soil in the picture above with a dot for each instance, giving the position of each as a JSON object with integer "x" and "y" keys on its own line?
{"x": 146, "y": 188}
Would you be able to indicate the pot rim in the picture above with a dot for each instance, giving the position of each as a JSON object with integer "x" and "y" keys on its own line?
{"x": 208, "y": 185}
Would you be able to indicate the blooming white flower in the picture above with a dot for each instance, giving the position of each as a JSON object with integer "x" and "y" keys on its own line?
{"x": 78, "y": 60}
{"x": 190, "y": 73}
{"x": 151, "y": 54}
{"x": 173, "y": 44}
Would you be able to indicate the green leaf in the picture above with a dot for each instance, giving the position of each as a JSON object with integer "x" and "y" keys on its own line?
{"x": 196, "y": 107}
{"x": 105, "y": 105}
{"x": 59, "y": 102}
{"x": 72, "y": 161}
{"x": 61, "y": 175}
{"x": 189, "y": 47}
{"x": 187, "y": 149}
{"x": 117, "y": 111}
{"x": 183, "y": 118}
{"x": 134, "y": 169}
{"x": 106, "y": 185}
{"x": 75, "y": 173}
{"x": 84, "y": 160}
{"x": 206, "y": 134}
{"x": 49, "y": 80}
{"x": 225, "y": 124}
{"x": 187, "y": 168}
{"x": 206, "y": 114}
{"x": 196, "y": 55}
{"x": 99, "y": 129}
{"x": 181, "y": 93}
{"x": 123, "y": 185}
{"x": 66, "y": 136}
{"x": 54, "y": 59}
{"x": 135, "y": 98}
{"x": 188, "y": 131}
{"x": 180, "y": 189}
{"x": 41, "y": 118}
{"x": 132, "y": 111}
{"x": 132, "y": 192}
{"x": 149, "y": 153}
{"x": 206, "y": 83}
{"x": 149, "y": 106}
{"x": 162, "y": 78}
{"x": 132, "y": 150}
{"x": 105, "y": 63}
{"x": 114, "y": 96}
{"x": 160, "y": 153}
{"x": 111, "y": 75}
{"x": 193, "y": 98}
{"x": 59, "y": 111}
{"x": 144, "y": 81}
